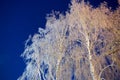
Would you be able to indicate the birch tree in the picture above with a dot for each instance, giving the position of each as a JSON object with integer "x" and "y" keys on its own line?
{"x": 83, "y": 44}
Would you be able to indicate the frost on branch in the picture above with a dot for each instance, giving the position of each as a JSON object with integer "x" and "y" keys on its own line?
{"x": 84, "y": 44}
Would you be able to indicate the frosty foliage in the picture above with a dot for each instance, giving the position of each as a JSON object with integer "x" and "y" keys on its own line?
{"x": 81, "y": 25}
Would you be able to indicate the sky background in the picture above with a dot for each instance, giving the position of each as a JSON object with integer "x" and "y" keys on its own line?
{"x": 19, "y": 19}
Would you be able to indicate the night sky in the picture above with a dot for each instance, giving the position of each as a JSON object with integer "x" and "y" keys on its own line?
{"x": 19, "y": 19}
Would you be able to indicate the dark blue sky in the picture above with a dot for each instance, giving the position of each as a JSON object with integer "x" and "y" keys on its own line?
{"x": 19, "y": 19}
